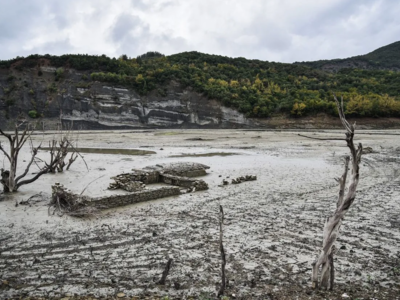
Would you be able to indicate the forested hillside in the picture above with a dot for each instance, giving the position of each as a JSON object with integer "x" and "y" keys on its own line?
{"x": 384, "y": 58}
{"x": 257, "y": 88}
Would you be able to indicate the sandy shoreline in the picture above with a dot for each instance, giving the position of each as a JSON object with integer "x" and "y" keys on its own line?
{"x": 273, "y": 225}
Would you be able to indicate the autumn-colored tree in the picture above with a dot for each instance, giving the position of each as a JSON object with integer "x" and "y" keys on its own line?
{"x": 359, "y": 105}
{"x": 298, "y": 109}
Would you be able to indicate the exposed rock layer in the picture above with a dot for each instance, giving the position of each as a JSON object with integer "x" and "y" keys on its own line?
{"x": 97, "y": 105}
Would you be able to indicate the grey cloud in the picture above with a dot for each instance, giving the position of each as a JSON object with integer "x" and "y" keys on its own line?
{"x": 59, "y": 10}
{"x": 264, "y": 29}
{"x": 331, "y": 17}
{"x": 15, "y": 20}
{"x": 128, "y": 33}
{"x": 140, "y": 4}
{"x": 55, "y": 47}
{"x": 271, "y": 36}
{"x": 125, "y": 25}
{"x": 133, "y": 37}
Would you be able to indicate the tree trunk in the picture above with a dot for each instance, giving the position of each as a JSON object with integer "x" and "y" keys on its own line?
{"x": 11, "y": 178}
{"x": 5, "y": 175}
{"x": 333, "y": 223}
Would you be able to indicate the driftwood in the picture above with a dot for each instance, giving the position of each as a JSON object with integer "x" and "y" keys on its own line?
{"x": 165, "y": 272}
{"x": 333, "y": 223}
{"x": 34, "y": 199}
{"x": 222, "y": 250}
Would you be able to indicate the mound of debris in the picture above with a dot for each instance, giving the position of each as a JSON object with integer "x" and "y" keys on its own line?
{"x": 64, "y": 201}
{"x": 128, "y": 182}
{"x": 243, "y": 179}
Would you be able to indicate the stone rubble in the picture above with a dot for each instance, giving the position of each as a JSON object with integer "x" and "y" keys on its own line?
{"x": 239, "y": 179}
{"x": 177, "y": 174}
{"x": 127, "y": 182}
{"x": 243, "y": 178}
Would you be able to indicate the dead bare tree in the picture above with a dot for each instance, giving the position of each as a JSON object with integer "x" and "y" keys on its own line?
{"x": 9, "y": 179}
{"x": 324, "y": 261}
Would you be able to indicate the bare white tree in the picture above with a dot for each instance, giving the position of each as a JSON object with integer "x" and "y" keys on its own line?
{"x": 9, "y": 179}
{"x": 324, "y": 262}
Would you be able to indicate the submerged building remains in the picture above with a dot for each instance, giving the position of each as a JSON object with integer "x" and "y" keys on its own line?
{"x": 178, "y": 175}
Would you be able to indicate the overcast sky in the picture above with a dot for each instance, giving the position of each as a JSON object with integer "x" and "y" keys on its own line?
{"x": 273, "y": 30}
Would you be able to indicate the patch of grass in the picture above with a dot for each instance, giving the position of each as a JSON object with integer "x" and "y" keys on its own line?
{"x": 52, "y": 88}
{"x": 82, "y": 84}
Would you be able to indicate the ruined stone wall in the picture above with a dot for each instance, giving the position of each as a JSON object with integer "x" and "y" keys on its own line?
{"x": 131, "y": 198}
{"x": 184, "y": 169}
{"x": 184, "y": 182}
{"x": 147, "y": 176}
{"x": 151, "y": 177}
{"x": 193, "y": 173}
{"x": 118, "y": 200}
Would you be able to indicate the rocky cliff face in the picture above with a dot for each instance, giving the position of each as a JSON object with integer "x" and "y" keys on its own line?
{"x": 97, "y": 105}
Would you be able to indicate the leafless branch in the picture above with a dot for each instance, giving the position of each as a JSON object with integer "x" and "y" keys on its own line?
{"x": 89, "y": 184}
{"x": 4, "y": 152}
{"x": 80, "y": 155}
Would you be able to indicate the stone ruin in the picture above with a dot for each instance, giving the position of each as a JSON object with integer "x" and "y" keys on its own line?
{"x": 128, "y": 182}
{"x": 178, "y": 175}
{"x": 79, "y": 202}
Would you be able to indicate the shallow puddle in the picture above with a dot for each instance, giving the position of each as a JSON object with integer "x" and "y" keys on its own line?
{"x": 111, "y": 151}
{"x": 205, "y": 154}
{"x": 167, "y": 133}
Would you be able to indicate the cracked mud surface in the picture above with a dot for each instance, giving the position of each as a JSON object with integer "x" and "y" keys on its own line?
{"x": 272, "y": 232}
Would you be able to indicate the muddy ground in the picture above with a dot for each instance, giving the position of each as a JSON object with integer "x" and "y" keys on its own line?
{"x": 272, "y": 232}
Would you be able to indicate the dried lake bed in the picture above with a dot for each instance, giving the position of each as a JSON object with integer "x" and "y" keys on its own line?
{"x": 272, "y": 232}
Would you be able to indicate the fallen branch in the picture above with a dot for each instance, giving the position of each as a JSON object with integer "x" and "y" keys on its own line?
{"x": 222, "y": 250}
{"x": 35, "y": 198}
